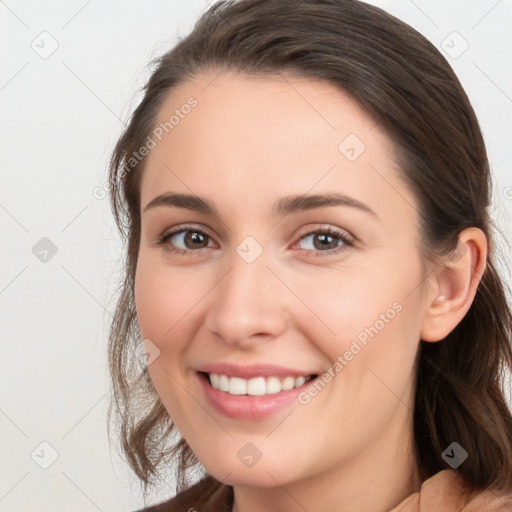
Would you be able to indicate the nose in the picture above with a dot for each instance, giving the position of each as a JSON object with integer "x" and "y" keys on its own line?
{"x": 249, "y": 304}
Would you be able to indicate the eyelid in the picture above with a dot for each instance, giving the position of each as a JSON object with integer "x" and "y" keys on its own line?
{"x": 327, "y": 228}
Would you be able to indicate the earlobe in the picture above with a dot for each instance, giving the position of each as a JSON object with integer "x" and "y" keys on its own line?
{"x": 454, "y": 286}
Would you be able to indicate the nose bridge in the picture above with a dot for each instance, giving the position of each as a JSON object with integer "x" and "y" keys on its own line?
{"x": 248, "y": 300}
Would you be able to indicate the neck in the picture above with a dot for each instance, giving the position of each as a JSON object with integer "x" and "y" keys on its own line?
{"x": 383, "y": 476}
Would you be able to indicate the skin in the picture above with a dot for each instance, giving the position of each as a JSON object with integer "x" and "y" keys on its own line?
{"x": 351, "y": 447}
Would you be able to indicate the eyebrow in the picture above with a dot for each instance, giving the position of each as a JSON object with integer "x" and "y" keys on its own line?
{"x": 284, "y": 206}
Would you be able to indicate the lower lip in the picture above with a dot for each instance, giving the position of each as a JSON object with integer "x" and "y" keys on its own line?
{"x": 248, "y": 407}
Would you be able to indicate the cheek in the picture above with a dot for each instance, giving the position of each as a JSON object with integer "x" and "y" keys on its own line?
{"x": 378, "y": 305}
{"x": 342, "y": 304}
{"x": 162, "y": 304}
{"x": 170, "y": 303}
{"x": 150, "y": 297}
{"x": 162, "y": 298}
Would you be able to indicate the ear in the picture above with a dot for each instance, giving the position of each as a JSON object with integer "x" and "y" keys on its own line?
{"x": 454, "y": 285}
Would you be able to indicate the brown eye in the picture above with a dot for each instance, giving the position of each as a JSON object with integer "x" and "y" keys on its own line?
{"x": 328, "y": 241}
{"x": 195, "y": 240}
{"x": 185, "y": 240}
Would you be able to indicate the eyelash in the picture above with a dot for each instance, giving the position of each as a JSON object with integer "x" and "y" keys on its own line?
{"x": 347, "y": 242}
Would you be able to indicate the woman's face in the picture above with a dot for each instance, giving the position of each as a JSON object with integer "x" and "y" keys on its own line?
{"x": 260, "y": 282}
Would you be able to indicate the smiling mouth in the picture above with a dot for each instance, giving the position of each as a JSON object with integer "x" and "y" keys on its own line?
{"x": 256, "y": 386}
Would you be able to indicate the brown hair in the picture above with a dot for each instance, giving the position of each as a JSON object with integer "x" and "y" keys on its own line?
{"x": 403, "y": 82}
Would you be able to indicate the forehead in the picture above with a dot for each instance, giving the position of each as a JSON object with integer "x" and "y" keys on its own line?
{"x": 263, "y": 113}
{"x": 247, "y": 133}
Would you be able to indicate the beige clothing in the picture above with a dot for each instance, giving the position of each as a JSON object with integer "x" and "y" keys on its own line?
{"x": 446, "y": 491}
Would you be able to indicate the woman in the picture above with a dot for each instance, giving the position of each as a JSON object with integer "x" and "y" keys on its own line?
{"x": 304, "y": 190}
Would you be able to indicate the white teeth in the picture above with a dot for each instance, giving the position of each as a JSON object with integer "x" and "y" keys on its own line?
{"x": 223, "y": 383}
{"x": 256, "y": 386}
{"x": 299, "y": 381}
{"x": 272, "y": 385}
{"x": 237, "y": 386}
{"x": 288, "y": 383}
{"x": 214, "y": 378}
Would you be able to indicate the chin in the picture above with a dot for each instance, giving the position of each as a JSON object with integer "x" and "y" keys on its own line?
{"x": 249, "y": 478}
{"x": 261, "y": 474}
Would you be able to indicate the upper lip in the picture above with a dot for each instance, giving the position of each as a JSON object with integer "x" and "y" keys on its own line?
{"x": 255, "y": 370}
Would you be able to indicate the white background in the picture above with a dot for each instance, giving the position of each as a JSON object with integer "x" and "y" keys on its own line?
{"x": 60, "y": 117}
